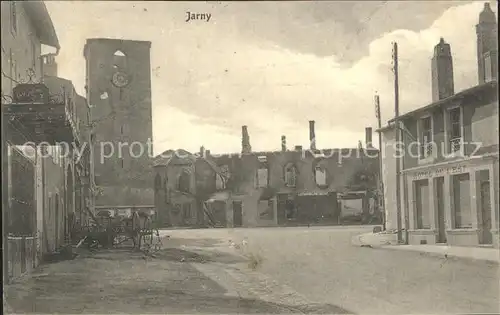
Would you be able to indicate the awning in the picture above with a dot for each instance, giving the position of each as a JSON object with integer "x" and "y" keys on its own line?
{"x": 219, "y": 196}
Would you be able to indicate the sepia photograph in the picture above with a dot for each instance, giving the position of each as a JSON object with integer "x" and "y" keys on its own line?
{"x": 250, "y": 157}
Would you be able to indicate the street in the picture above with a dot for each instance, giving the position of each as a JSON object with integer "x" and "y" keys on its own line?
{"x": 303, "y": 270}
{"x": 321, "y": 264}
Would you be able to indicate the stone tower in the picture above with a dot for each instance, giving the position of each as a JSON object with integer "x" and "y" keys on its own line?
{"x": 487, "y": 45}
{"x": 118, "y": 84}
{"x": 442, "y": 72}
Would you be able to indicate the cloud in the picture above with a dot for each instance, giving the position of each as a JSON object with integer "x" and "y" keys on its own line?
{"x": 210, "y": 79}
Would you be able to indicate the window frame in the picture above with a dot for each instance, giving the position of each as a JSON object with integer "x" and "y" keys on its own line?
{"x": 448, "y": 131}
{"x": 317, "y": 167}
{"x": 423, "y": 145}
{"x": 290, "y": 166}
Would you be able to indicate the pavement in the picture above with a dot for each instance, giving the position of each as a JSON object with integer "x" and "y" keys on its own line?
{"x": 389, "y": 241}
{"x": 260, "y": 270}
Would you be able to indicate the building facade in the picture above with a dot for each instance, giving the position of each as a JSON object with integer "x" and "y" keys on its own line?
{"x": 118, "y": 85}
{"x": 287, "y": 187}
{"x": 449, "y": 178}
{"x": 39, "y": 119}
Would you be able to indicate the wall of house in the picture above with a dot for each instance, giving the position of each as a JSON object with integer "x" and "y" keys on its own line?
{"x": 389, "y": 150}
{"x": 24, "y": 45}
{"x": 54, "y": 202}
{"x": 484, "y": 128}
{"x": 480, "y": 128}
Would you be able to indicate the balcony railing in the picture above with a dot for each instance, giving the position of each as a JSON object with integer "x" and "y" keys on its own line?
{"x": 49, "y": 116}
{"x": 455, "y": 145}
{"x": 426, "y": 150}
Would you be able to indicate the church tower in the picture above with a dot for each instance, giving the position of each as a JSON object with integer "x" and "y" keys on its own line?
{"x": 118, "y": 84}
{"x": 487, "y": 45}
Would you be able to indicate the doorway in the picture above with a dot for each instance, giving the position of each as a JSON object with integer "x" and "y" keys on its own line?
{"x": 237, "y": 213}
{"x": 485, "y": 203}
{"x": 441, "y": 226}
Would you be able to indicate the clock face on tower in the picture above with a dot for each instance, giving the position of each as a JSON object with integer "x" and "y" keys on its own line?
{"x": 120, "y": 79}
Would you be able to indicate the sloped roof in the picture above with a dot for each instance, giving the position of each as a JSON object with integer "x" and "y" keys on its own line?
{"x": 39, "y": 16}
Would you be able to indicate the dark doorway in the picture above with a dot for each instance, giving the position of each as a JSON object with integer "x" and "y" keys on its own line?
{"x": 441, "y": 226}
{"x": 237, "y": 213}
{"x": 485, "y": 222}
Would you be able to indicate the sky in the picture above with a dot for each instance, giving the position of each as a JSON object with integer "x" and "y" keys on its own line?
{"x": 273, "y": 66}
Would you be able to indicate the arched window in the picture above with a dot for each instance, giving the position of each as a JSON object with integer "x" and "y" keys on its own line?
{"x": 320, "y": 175}
{"x": 184, "y": 181}
{"x": 157, "y": 182}
{"x": 119, "y": 60}
{"x": 290, "y": 175}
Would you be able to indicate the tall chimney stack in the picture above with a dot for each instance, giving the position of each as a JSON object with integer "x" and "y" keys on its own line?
{"x": 202, "y": 151}
{"x": 245, "y": 140}
{"x": 283, "y": 143}
{"x": 442, "y": 72}
{"x": 368, "y": 137}
{"x": 312, "y": 135}
{"x": 487, "y": 45}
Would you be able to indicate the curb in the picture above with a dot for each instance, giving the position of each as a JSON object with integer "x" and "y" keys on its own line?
{"x": 440, "y": 255}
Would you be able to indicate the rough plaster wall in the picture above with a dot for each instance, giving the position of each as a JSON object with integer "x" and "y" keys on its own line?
{"x": 21, "y": 45}
{"x": 132, "y": 110}
{"x": 485, "y": 125}
{"x": 389, "y": 178}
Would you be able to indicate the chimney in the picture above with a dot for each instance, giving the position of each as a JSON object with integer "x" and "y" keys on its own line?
{"x": 312, "y": 135}
{"x": 442, "y": 72}
{"x": 368, "y": 137}
{"x": 298, "y": 148}
{"x": 207, "y": 153}
{"x": 202, "y": 151}
{"x": 49, "y": 65}
{"x": 283, "y": 143}
{"x": 487, "y": 45}
{"x": 245, "y": 140}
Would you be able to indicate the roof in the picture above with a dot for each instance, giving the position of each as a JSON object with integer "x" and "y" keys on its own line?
{"x": 470, "y": 91}
{"x": 39, "y": 16}
{"x": 169, "y": 156}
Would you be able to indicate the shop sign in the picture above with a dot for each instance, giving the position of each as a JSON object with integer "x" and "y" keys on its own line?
{"x": 442, "y": 171}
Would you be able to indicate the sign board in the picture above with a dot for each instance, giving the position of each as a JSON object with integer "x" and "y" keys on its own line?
{"x": 31, "y": 93}
{"x": 450, "y": 170}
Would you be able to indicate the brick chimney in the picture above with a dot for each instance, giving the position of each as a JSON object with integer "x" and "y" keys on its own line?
{"x": 245, "y": 140}
{"x": 312, "y": 135}
{"x": 487, "y": 45}
{"x": 283, "y": 143}
{"x": 49, "y": 65}
{"x": 368, "y": 137}
{"x": 202, "y": 151}
{"x": 442, "y": 72}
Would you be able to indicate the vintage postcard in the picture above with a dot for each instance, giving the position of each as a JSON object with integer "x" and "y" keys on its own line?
{"x": 250, "y": 157}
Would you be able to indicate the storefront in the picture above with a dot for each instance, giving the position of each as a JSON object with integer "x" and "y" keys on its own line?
{"x": 454, "y": 202}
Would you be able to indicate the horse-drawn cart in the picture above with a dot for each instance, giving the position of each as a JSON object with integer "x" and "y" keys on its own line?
{"x": 114, "y": 229}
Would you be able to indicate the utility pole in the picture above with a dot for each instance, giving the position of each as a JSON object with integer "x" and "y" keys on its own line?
{"x": 398, "y": 141}
{"x": 381, "y": 182}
